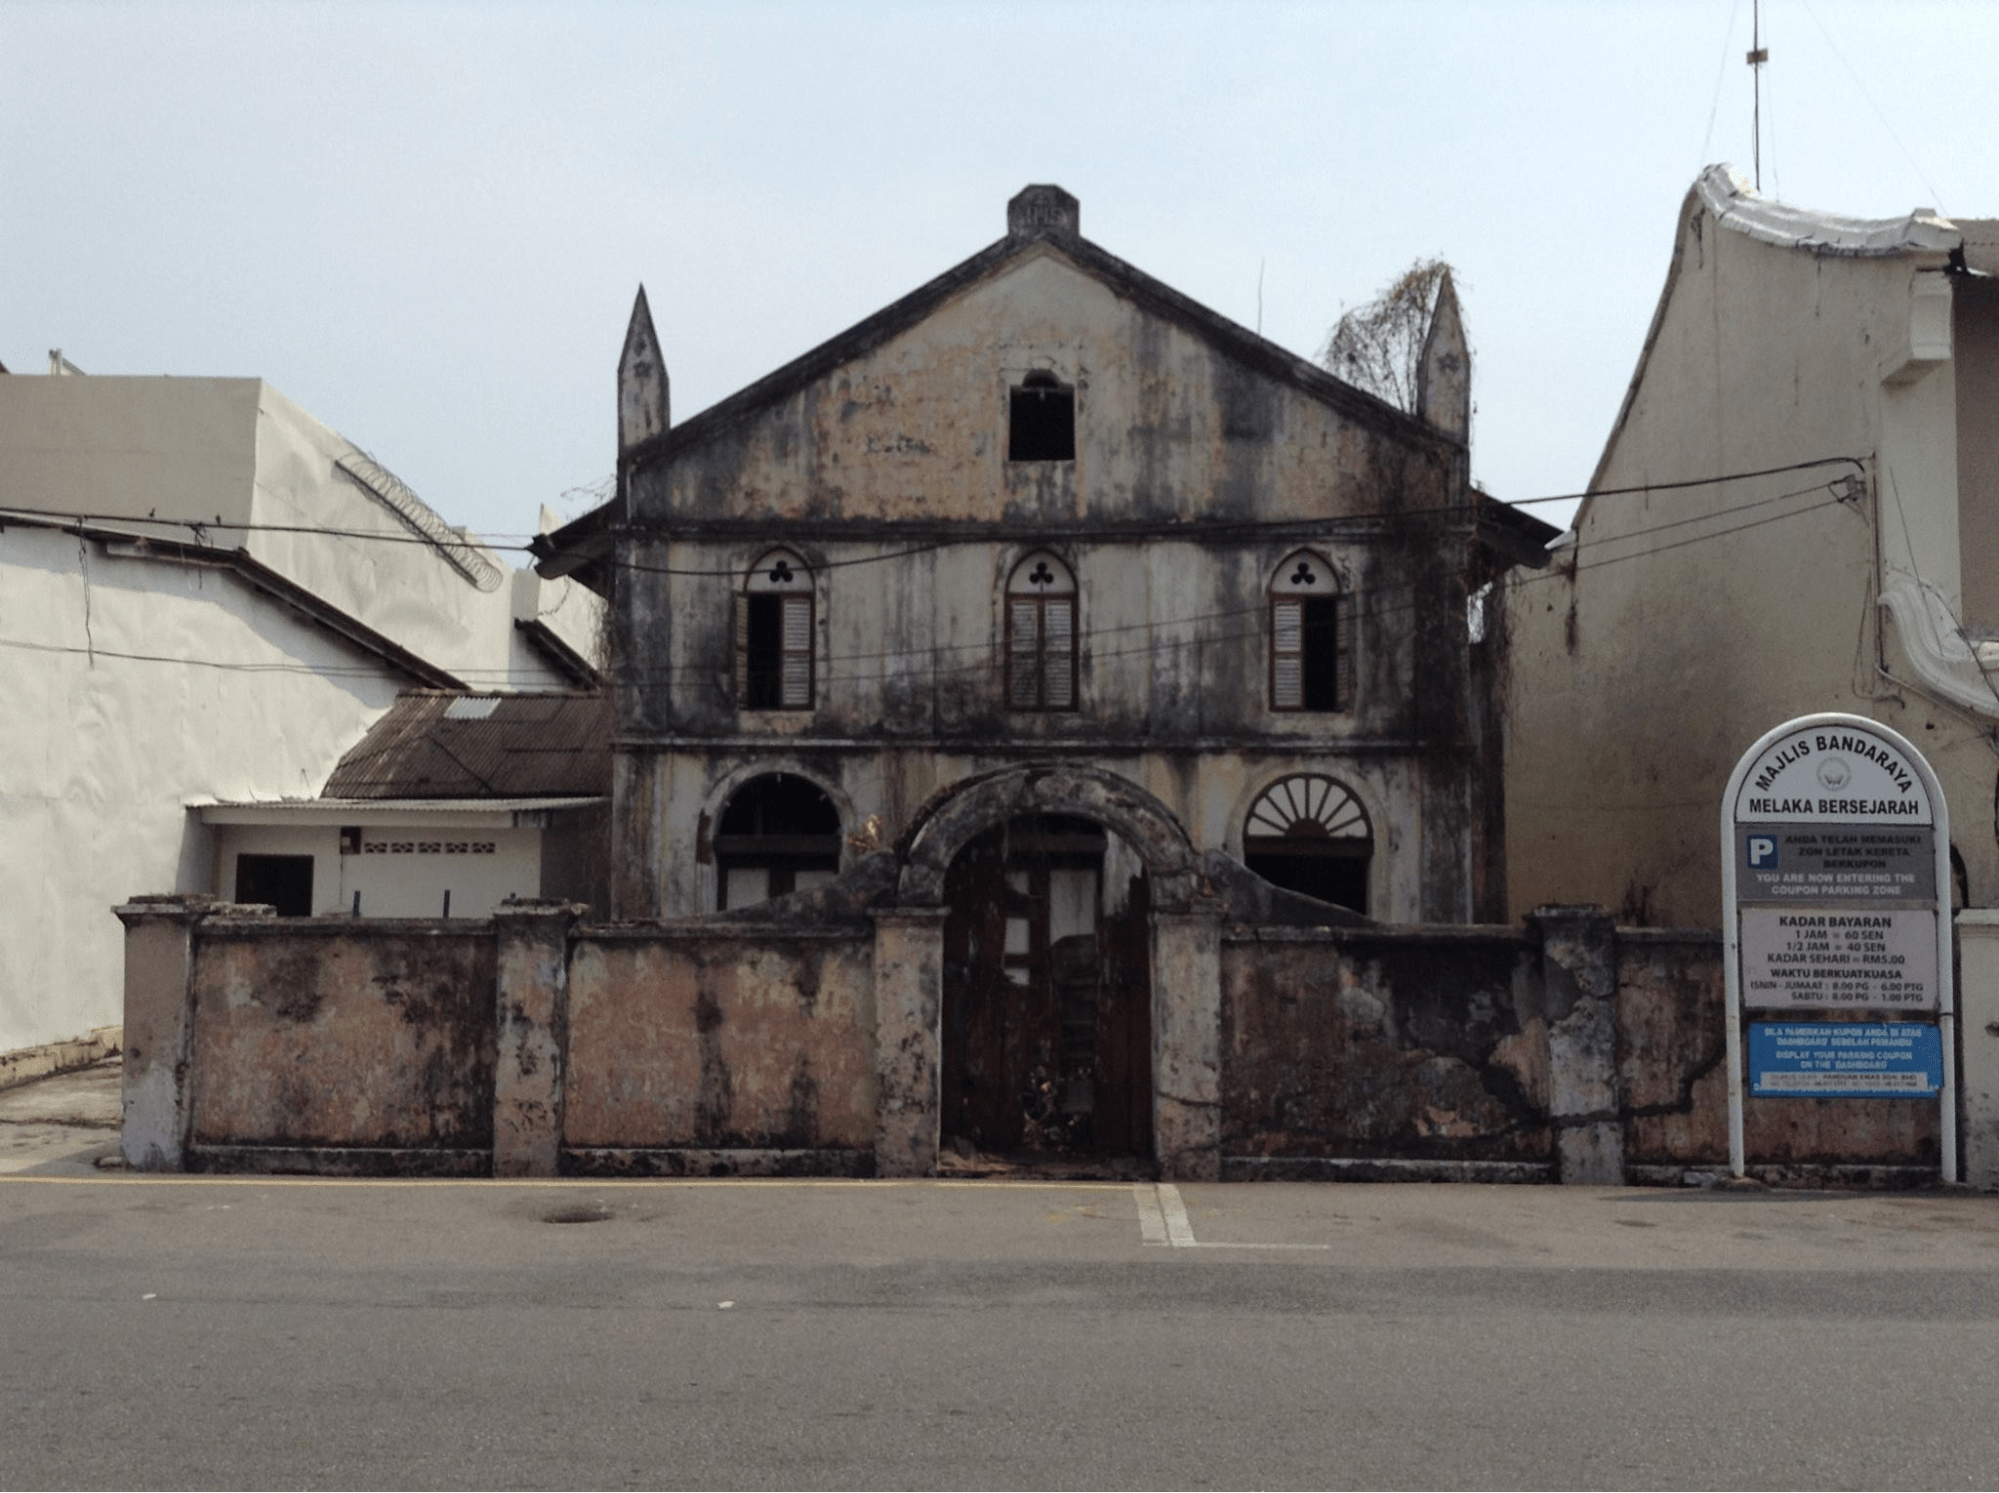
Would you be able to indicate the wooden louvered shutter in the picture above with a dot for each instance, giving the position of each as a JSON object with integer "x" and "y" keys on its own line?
{"x": 797, "y": 652}
{"x": 1287, "y": 654}
{"x": 1058, "y": 653}
{"x": 1343, "y": 641}
{"x": 742, "y": 650}
{"x": 1023, "y": 653}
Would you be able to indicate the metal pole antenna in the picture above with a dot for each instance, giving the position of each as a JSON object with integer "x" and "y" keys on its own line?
{"x": 1758, "y": 55}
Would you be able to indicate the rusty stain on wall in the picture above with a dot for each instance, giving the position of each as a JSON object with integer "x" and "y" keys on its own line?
{"x": 731, "y": 1039}
{"x": 1370, "y": 1044}
{"x": 342, "y": 1034}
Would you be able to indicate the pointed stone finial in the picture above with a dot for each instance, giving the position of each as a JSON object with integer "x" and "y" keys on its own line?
{"x": 1044, "y": 210}
{"x": 1443, "y": 377}
{"x": 642, "y": 381}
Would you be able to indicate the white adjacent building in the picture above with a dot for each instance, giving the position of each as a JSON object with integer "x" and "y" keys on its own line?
{"x": 1797, "y": 510}
{"x": 206, "y": 596}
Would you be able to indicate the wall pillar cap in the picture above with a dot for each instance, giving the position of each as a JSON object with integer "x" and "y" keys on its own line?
{"x": 540, "y": 907}
{"x": 909, "y": 914}
{"x": 187, "y": 907}
{"x": 1569, "y": 912}
{"x": 1200, "y": 910}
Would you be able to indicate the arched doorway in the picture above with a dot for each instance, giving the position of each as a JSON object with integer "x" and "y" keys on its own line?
{"x": 1046, "y": 1026}
{"x": 1308, "y": 833}
{"x": 1155, "y": 952}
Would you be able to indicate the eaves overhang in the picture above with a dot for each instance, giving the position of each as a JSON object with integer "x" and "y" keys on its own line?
{"x": 1726, "y": 193}
{"x": 445, "y": 813}
{"x": 579, "y": 548}
{"x": 137, "y": 544}
{"x": 1512, "y": 534}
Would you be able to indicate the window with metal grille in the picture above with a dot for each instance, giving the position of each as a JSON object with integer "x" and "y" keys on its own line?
{"x": 774, "y": 635}
{"x": 1042, "y": 420}
{"x": 1311, "y": 638}
{"x": 1041, "y": 635}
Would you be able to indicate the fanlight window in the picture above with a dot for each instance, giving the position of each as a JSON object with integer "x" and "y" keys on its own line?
{"x": 774, "y": 635}
{"x": 1308, "y": 833}
{"x": 1311, "y": 637}
{"x": 1041, "y": 635}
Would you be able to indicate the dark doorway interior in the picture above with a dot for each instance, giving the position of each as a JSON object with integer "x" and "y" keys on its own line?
{"x": 280, "y": 881}
{"x": 779, "y": 834}
{"x": 1047, "y": 1021}
{"x": 1327, "y": 869}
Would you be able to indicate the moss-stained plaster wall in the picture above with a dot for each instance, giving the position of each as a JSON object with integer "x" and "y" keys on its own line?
{"x": 1201, "y": 464}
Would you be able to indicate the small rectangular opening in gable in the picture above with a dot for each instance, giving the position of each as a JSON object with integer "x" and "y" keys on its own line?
{"x": 1042, "y": 424}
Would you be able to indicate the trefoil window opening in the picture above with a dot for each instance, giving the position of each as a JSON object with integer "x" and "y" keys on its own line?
{"x": 1041, "y": 635}
{"x": 1311, "y": 638}
{"x": 774, "y": 635}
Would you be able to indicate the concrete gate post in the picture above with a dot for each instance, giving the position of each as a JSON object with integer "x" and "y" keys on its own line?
{"x": 1978, "y": 1036}
{"x": 909, "y": 1005}
{"x": 159, "y": 1020}
{"x": 531, "y": 1018}
{"x": 1579, "y": 992}
{"x": 1187, "y": 1043}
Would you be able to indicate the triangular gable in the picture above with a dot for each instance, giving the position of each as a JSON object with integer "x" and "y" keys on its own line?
{"x": 1125, "y": 280}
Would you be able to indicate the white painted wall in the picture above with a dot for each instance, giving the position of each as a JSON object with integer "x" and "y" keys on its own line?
{"x": 406, "y": 876}
{"x": 111, "y": 727}
{"x": 1684, "y": 623}
{"x": 153, "y": 453}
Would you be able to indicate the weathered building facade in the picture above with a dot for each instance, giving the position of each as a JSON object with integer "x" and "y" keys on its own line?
{"x": 1055, "y": 582}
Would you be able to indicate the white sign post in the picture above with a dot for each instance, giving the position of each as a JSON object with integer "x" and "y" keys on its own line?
{"x": 1835, "y": 898}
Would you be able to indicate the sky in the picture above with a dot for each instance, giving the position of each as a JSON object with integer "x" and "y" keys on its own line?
{"x": 426, "y": 222}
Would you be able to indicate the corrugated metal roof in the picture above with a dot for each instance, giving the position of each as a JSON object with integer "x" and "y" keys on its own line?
{"x": 524, "y": 746}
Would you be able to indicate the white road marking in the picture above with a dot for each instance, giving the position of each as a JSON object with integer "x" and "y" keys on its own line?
{"x": 1151, "y": 1224}
{"x": 1179, "y": 1233}
{"x": 1162, "y": 1219}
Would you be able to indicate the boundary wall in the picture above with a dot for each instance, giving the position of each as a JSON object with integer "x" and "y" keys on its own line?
{"x": 804, "y": 1041}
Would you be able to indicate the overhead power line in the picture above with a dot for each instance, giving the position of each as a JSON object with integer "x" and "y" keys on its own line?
{"x": 1195, "y": 530}
{"x": 937, "y": 662}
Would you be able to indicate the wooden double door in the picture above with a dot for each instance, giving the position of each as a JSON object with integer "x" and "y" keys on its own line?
{"x": 1047, "y": 1021}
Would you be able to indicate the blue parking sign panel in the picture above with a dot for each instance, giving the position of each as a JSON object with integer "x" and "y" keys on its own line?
{"x": 1845, "y": 1059}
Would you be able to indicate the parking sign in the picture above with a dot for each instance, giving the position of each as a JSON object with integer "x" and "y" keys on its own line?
{"x": 1835, "y": 865}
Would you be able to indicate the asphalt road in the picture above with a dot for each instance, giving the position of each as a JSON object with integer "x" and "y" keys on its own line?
{"x": 170, "y": 1332}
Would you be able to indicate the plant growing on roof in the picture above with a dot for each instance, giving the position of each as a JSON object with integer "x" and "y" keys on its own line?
{"x": 1378, "y": 346}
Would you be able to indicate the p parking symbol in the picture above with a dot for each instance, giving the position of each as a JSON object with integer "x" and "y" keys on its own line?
{"x": 1762, "y": 853}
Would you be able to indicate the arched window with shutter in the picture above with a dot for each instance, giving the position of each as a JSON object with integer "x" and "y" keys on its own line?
{"x": 774, "y": 635}
{"x": 1311, "y": 637}
{"x": 1041, "y": 635}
